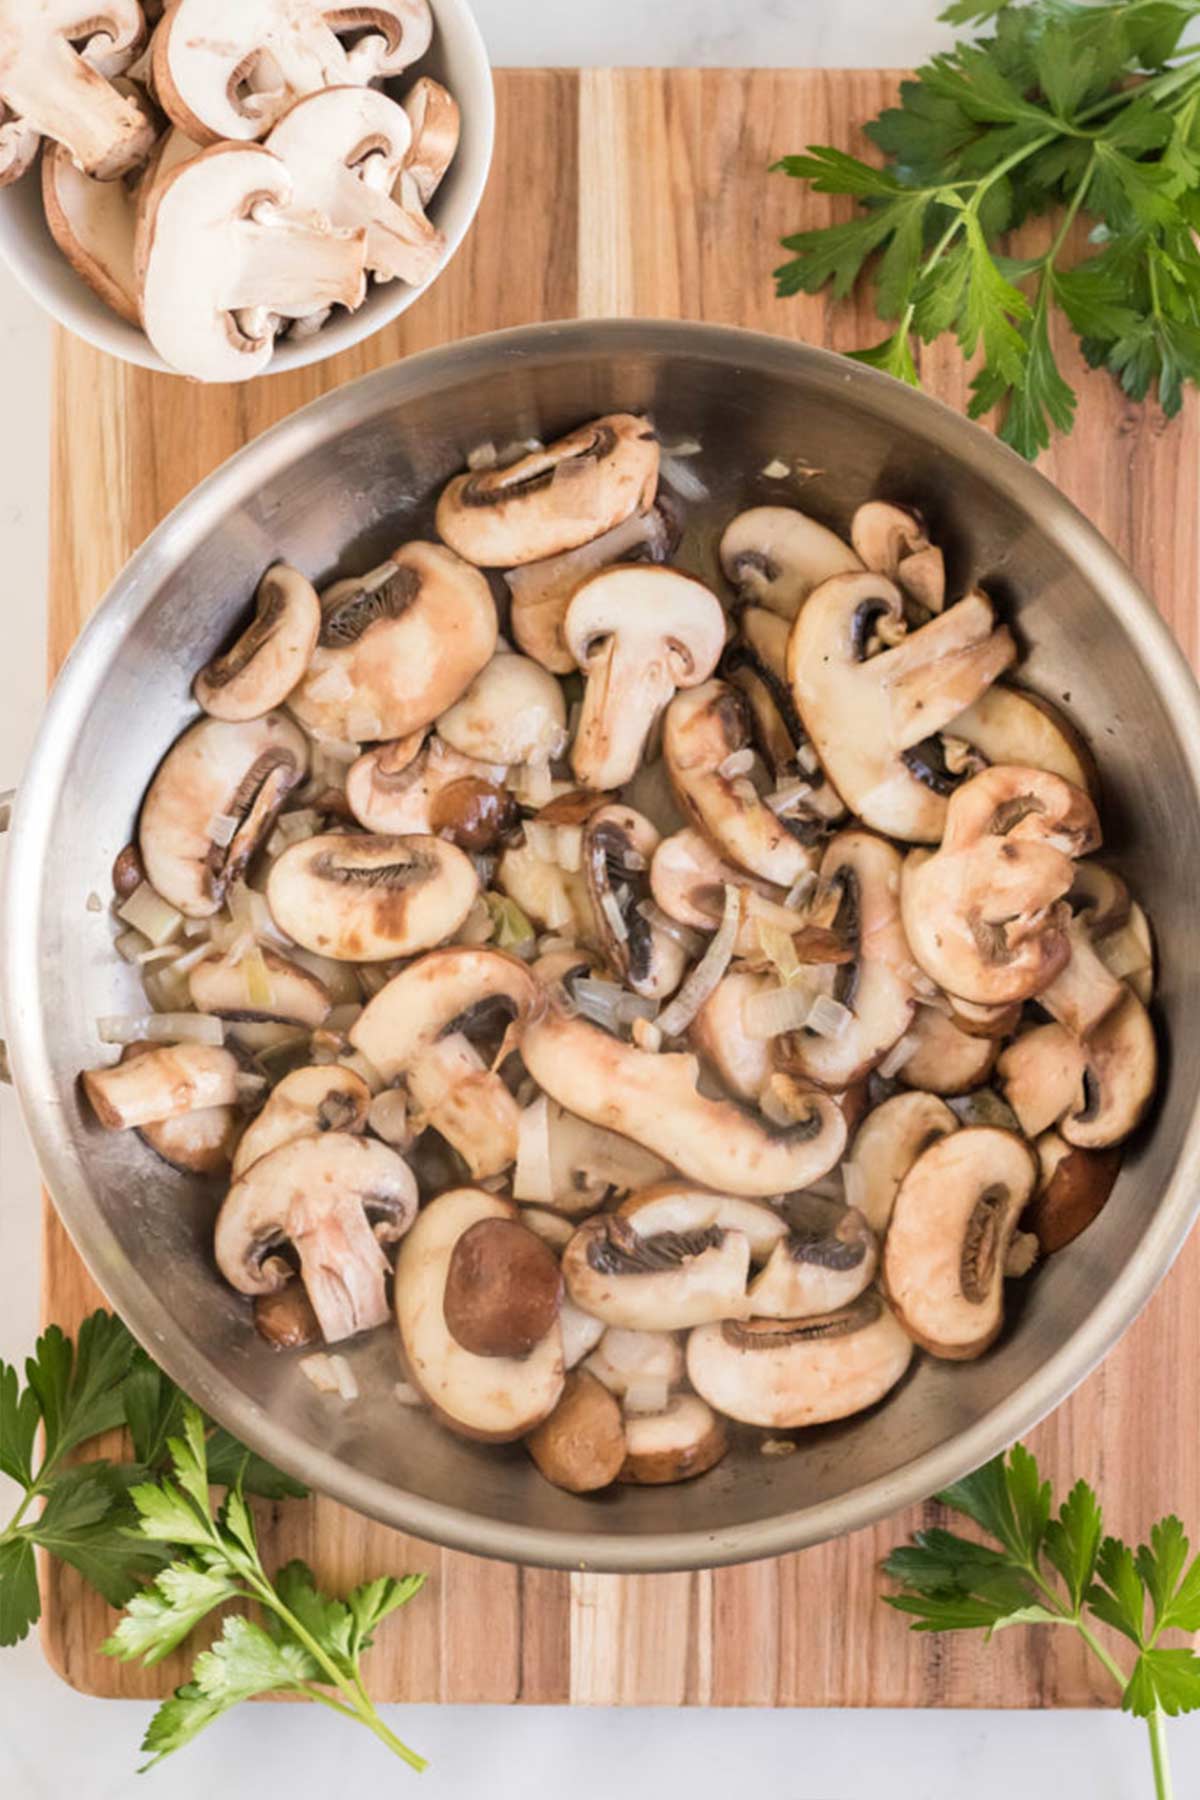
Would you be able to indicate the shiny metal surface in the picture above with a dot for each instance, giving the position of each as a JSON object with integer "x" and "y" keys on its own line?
{"x": 337, "y": 486}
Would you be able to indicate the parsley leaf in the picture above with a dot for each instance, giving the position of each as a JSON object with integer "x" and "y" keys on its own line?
{"x": 20, "y": 1603}
{"x": 1163, "y": 1680}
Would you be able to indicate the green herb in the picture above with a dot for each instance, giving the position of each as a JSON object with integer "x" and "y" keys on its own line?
{"x": 1066, "y": 109}
{"x": 510, "y": 927}
{"x": 1055, "y": 1566}
{"x": 308, "y": 1645}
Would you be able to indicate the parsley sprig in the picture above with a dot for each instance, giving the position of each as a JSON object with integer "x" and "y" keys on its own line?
{"x": 1066, "y": 110}
{"x": 1056, "y": 1566}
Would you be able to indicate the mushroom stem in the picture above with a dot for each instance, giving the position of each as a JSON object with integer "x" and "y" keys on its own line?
{"x": 342, "y": 1264}
{"x": 624, "y": 696}
{"x": 456, "y": 1093}
{"x": 51, "y": 89}
{"x": 283, "y": 256}
{"x": 161, "y": 1085}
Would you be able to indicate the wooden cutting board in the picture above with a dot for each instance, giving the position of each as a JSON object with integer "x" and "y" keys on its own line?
{"x": 648, "y": 193}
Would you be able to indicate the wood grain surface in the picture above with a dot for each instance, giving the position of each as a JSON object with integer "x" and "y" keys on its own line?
{"x": 647, "y": 193}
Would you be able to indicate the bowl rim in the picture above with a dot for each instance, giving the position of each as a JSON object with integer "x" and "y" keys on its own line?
{"x": 385, "y": 391}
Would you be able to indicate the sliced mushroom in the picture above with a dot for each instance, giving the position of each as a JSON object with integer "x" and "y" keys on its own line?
{"x": 636, "y": 1365}
{"x": 674, "y": 1207}
{"x": 19, "y": 145}
{"x": 216, "y": 773}
{"x": 1040, "y": 1075}
{"x": 494, "y": 1398}
{"x": 542, "y": 591}
{"x": 775, "y": 557}
{"x": 371, "y": 899}
{"x": 513, "y": 712}
{"x": 1010, "y": 725}
{"x": 816, "y": 1269}
{"x": 199, "y": 1142}
{"x": 718, "y": 1033}
{"x": 306, "y": 1103}
{"x": 49, "y": 83}
{"x": 887, "y": 1144}
{"x": 981, "y": 1021}
{"x": 639, "y": 633}
{"x": 685, "y": 1440}
{"x": 786, "y": 1373}
{"x": 337, "y": 1200}
{"x": 1073, "y": 1188}
{"x": 1085, "y": 990}
{"x": 393, "y": 791}
{"x": 416, "y": 1028}
{"x": 163, "y": 1084}
{"x": 892, "y": 541}
{"x": 1120, "y": 1071}
{"x": 1119, "y": 929}
{"x": 221, "y": 256}
{"x": 93, "y": 223}
{"x": 688, "y": 878}
{"x": 947, "y": 1243}
{"x": 942, "y": 1059}
{"x": 229, "y": 68}
{"x": 397, "y": 646}
{"x": 434, "y": 123}
{"x": 618, "y": 847}
{"x": 296, "y": 996}
{"x": 756, "y": 662}
{"x": 271, "y": 656}
{"x": 553, "y": 499}
{"x": 661, "y": 1282}
{"x": 554, "y": 1228}
{"x": 897, "y": 698}
{"x": 581, "y": 1446}
{"x": 580, "y": 1332}
{"x": 588, "y": 1163}
{"x": 503, "y": 1289}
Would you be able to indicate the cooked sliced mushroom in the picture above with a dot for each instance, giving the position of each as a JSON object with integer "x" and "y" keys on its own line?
{"x": 271, "y": 656}
{"x": 402, "y": 794}
{"x": 756, "y": 662}
{"x": 888, "y": 1143}
{"x": 494, "y": 1398}
{"x": 221, "y": 255}
{"x": 662, "y": 1282}
{"x": 513, "y": 712}
{"x": 397, "y": 646}
{"x": 295, "y": 995}
{"x": 93, "y": 223}
{"x": 286, "y": 1320}
{"x": 816, "y": 1269}
{"x": 1120, "y": 1070}
{"x": 892, "y": 541}
{"x": 580, "y": 1332}
{"x": 685, "y": 1440}
{"x": 1073, "y": 1188}
{"x": 337, "y": 1200}
{"x": 897, "y": 698}
{"x": 1010, "y": 725}
{"x": 229, "y": 68}
{"x": 503, "y": 1289}
{"x": 434, "y": 123}
{"x": 553, "y": 499}
{"x": 587, "y": 1163}
{"x": 688, "y": 878}
{"x": 306, "y": 1103}
{"x": 946, "y": 1246}
{"x": 1085, "y": 990}
{"x": 774, "y": 557}
{"x": 215, "y": 774}
{"x": 638, "y": 1365}
{"x": 639, "y": 633}
{"x": 705, "y": 732}
{"x": 676, "y": 1208}
{"x": 371, "y": 899}
{"x": 581, "y": 1446}
{"x": 162, "y": 1084}
{"x": 1040, "y": 1075}
{"x": 786, "y": 1373}
{"x": 654, "y": 1099}
{"x": 618, "y": 847}
{"x": 943, "y": 1059}
{"x": 416, "y": 1030}
{"x": 554, "y": 1228}
{"x": 718, "y": 1033}
{"x": 49, "y": 83}
{"x": 196, "y": 1143}
{"x": 542, "y": 591}
{"x": 981, "y": 1021}
{"x": 1125, "y": 945}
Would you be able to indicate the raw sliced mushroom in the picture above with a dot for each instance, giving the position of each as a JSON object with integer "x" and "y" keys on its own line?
{"x": 216, "y": 776}
{"x": 93, "y": 223}
{"x": 774, "y": 556}
{"x": 897, "y": 698}
{"x": 493, "y": 1398}
{"x": 19, "y": 145}
{"x": 685, "y": 1440}
{"x": 1010, "y": 725}
{"x": 756, "y": 662}
{"x": 49, "y": 83}
{"x": 229, "y": 68}
{"x": 293, "y": 994}
{"x": 434, "y": 125}
{"x": 307, "y": 1103}
{"x": 393, "y": 791}
{"x": 503, "y": 1289}
{"x": 718, "y": 1033}
{"x": 513, "y": 712}
{"x": 675, "y": 1207}
{"x": 581, "y": 1446}
{"x": 221, "y": 256}
{"x": 943, "y": 1059}
{"x": 553, "y": 499}
{"x": 887, "y": 1144}
{"x": 163, "y": 1084}
{"x": 639, "y": 1367}
{"x": 337, "y": 1200}
{"x": 783, "y": 1374}
{"x": 371, "y": 899}
{"x": 397, "y": 647}
{"x": 542, "y": 591}
{"x": 1073, "y": 1188}
{"x": 948, "y": 1240}
{"x": 618, "y": 847}
{"x": 661, "y": 1282}
{"x": 816, "y": 1269}
{"x": 892, "y": 541}
{"x": 640, "y": 634}
{"x": 259, "y": 671}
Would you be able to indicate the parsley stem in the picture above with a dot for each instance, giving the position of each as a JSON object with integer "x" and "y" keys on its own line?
{"x": 1156, "y": 1725}
{"x": 1101, "y": 1654}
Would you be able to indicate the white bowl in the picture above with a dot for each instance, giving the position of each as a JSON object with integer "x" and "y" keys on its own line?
{"x": 457, "y": 58}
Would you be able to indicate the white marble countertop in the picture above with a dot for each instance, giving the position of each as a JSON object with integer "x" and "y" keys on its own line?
{"x": 54, "y": 1742}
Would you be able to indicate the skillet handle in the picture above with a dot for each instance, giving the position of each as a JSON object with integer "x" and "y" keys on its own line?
{"x": 6, "y": 807}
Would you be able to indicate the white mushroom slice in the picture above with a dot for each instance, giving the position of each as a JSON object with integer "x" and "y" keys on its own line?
{"x": 513, "y": 712}
{"x": 1128, "y": 952}
{"x": 393, "y": 791}
{"x": 946, "y": 1246}
{"x": 816, "y": 1270}
{"x": 306, "y": 1103}
{"x": 214, "y": 773}
{"x": 397, "y": 647}
{"x": 718, "y": 1033}
{"x": 704, "y": 730}
{"x": 663, "y": 1282}
{"x": 892, "y": 541}
{"x": 270, "y": 657}
{"x": 19, "y": 145}
{"x": 896, "y": 698}
{"x": 581, "y": 1446}
{"x": 494, "y": 1398}
{"x": 586, "y": 1163}
{"x": 654, "y": 1099}
{"x": 1040, "y": 1075}
{"x": 554, "y": 499}
{"x": 434, "y": 122}
{"x": 172, "y": 149}
{"x": 688, "y": 878}
{"x": 756, "y": 662}
{"x": 674, "y": 1206}
{"x": 229, "y": 68}
{"x": 787, "y": 1373}
{"x": 1011, "y": 725}
{"x": 344, "y": 149}
{"x": 775, "y": 556}
{"x": 293, "y": 994}
{"x": 542, "y": 591}
{"x": 217, "y": 252}
{"x": 337, "y": 1200}
{"x": 371, "y": 899}
{"x": 50, "y": 86}
{"x": 685, "y": 1440}
{"x": 888, "y": 1143}
{"x": 93, "y": 223}
{"x": 941, "y": 1058}
{"x": 1073, "y": 1188}
{"x": 618, "y": 846}
{"x": 198, "y": 1143}
{"x": 162, "y": 1084}
{"x": 1085, "y": 990}
{"x": 640, "y": 1361}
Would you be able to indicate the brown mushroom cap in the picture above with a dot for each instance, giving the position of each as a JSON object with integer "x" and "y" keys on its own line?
{"x": 686, "y": 1439}
{"x": 503, "y": 1289}
{"x": 271, "y": 655}
{"x": 371, "y": 899}
{"x": 1073, "y": 1189}
{"x": 286, "y": 1319}
{"x": 581, "y": 1446}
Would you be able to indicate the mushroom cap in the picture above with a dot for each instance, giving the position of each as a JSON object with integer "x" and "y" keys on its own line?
{"x": 677, "y": 1207}
{"x": 1120, "y": 1074}
{"x": 1024, "y": 806}
{"x": 1040, "y": 1075}
{"x": 216, "y": 770}
{"x": 1010, "y": 725}
{"x": 397, "y": 646}
{"x": 270, "y": 656}
{"x": 581, "y": 1446}
{"x": 513, "y": 712}
{"x": 756, "y": 662}
{"x": 493, "y": 1398}
{"x": 816, "y": 1269}
{"x": 1073, "y": 1188}
{"x": 554, "y": 499}
{"x": 686, "y": 1439}
{"x": 297, "y": 996}
{"x": 435, "y": 123}
{"x": 887, "y": 1144}
{"x": 661, "y": 1282}
{"x": 399, "y": 793}
{"x": 542, "y": 591}
{"x": 503, "y": 1289}
{"x": 783, "y": 1374}
{"x": 718, "y": 1034}
{"x": 433, "y": 997}
{"x": 775, "y": 556}
{"x": 892, "y": 540}
{"x": 306, "y": 1103}
{"x": 93, "y": 223}
{"x": 944, "y": 1059}
{"x": 286, "y": 1320}
{"x": 371, "y": 899}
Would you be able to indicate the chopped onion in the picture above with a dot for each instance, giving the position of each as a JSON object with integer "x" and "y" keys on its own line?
{"x": 191, "y": 959}
{"x": 406, "y": 1394}
{"x": 166, "y": 991}
{"x": 343, "y": 1375}
{"x": 598, "y": 1001}
{"x": 197, "y": 928}
{"x": 739, "y": 762}
{"x": 898, "y": 1055}
{"x": 777, "y": 1447}
{"x": 685, "y": 482}
{"x": 94, "y": 903}
{"x": 777, "y": 469}
{"x": 647, "y": 1036}
{"x": 388, "y": 1117}
{"x": 610, "y": 906}
{"x": 635, "y": 1006}
{"x": 511, "y": 929}
{"x": 263, "y": 1037}
{"x": 634, "y": 861}
{"x": 157, "y": 953}
{"x": 249, "y": 1086}
{"x": 339, "y": 977}
{"x": 130, "y": 945}
{"x": 800, "y": 890}
{"x": 319, "y": 1370}
{"x": 260, "y": 994}
{"x": 775, "y": 1011}
{"x": 372, "y": 978}
{"x": 149, "y": 913}
{"x": 676, "y": 1018}
{"x": 361, "y": 1065}
{"x": 685, "y": 447}
{"x": 161, "y": 1028}
{"x": 779, "y": 947}
{"x": 541, "y": 840}
{"x": 477, "y": 927}
{"x": 546, "y": 946}
{"x": 517, "y": 451}
{"x": 533, "y": 1177}
{"x": 984, "y": 1107}
{"x": 222, "y": 829}
{"x": 647, "y": 1394}
{"x": 854, "y": 1185}
{"x": 828, "y": 1018}
{"x": 788, "y": 796}
{"x": 483, "y": 456}
{"x": 745, "y": 790}
{"x": 568, "y": 849}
